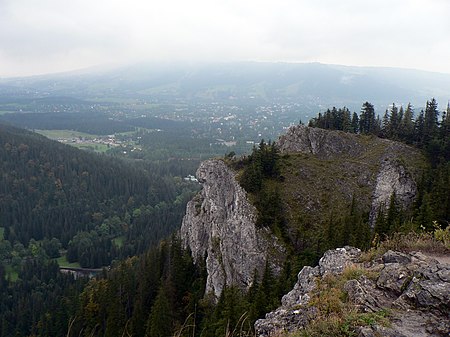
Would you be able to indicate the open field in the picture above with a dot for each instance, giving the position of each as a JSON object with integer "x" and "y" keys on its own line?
{"x": 62, "y": 261}
{"x": 65, "y": 134}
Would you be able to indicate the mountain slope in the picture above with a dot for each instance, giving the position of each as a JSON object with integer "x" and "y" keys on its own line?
{"x": 313, "y": 85}
{"x": 50, "y": 190}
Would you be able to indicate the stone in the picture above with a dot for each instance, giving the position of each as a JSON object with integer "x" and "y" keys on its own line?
{"x": 220, "y": 225}
{"x": 334, "y": 261}
{"x": 392, "y": 179}
{"x": 305, "y": 284}
{"x": 295, "y": 312}
{"x": 362, "y": 295}
{"x": 395, "y": 257}
{"x": 394, "y": 277}
{"x": 413, "y": 288}
{"x": 323, "y": 143}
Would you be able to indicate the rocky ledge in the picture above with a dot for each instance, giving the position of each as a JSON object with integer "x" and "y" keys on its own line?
{"x": 413, "y": 288}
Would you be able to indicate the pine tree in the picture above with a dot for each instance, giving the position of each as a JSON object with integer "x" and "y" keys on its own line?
{"x": 419, "y": 128}
{"x": 445, "y": 134}
{"x": 392, "y": 216}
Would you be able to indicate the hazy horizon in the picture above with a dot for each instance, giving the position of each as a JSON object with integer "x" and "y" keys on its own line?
{"x": 50, "y": 36}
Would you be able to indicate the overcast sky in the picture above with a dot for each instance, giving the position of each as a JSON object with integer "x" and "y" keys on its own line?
{"x": 43, "y": 36}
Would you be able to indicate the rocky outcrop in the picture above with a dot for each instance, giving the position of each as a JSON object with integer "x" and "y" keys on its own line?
{"x": 219, "y": 225}
{"x": 323, "y": 143}
{"x": 295, "y": 313}
{"x": 414, "y": 288}
{"x": 391, "y": 177}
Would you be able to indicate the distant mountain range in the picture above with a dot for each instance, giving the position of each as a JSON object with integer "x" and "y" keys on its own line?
{"x": 315, "y": 86}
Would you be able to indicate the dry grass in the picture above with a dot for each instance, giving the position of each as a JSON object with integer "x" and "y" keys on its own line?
{"x": 436, "y": 242}
{"x": 336, "y": 315}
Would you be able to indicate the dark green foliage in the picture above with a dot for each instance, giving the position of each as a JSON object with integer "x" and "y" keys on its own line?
{"x": 49, "y": 190}
{"x": 433, "y": 201}
{"x": 260, "y": 168}
{"x": 40, "y": 303}
{"x": 270, "y": 209}
{"x": 389, "y": 218}
{"x": 160, "y": 319}
{"x": 261, "y": 164}
{"x": 367, "y": 121}
{"x": 350, "y": 228}
{"x": 336, "y": 119}
{"x": 55, "y": 199}
{"x": 151, "y": 295}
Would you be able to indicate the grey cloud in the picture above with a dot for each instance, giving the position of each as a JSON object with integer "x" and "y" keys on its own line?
{"x": 55, "y": 35}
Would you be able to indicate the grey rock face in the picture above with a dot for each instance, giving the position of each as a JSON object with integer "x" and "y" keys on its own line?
{"x": 392, "y": 178}
{"x": 305, "y": 284}
{"x": 220, "y": 225}
{"x": 320, "y": 142}
{"x": 334, "y": 261}
{"x": 395, "y": 257}
{"x": 414, "y": 288}
{"x": 364, "y": 294}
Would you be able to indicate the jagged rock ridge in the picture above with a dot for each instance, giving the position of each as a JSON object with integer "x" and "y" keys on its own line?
{"x": 220, "y": 225}
{"x": 414, "y": 287}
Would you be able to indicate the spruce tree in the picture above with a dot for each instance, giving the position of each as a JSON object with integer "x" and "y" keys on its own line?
{"x": 355, "y": 123}
{"x": 159, "y": 322}
{"x": 367, "y": 121}
{"x": 393, "y": 122}
{"x": 406, "y": 130}
{"x": 346, "y": 120}
{"x": 430, "y": 121}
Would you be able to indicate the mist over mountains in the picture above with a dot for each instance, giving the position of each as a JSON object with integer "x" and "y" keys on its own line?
{"x": 315, "y": 86}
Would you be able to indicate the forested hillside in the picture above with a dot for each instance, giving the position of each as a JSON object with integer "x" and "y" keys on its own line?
{"x": 49, "y": 190}
{"x": 61, "y": 205}
{"x": 311, "y": 203}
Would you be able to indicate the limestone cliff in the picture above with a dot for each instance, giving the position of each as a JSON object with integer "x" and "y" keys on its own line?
{"x": 412, "y": 288}
{"x": 220, "y": 225}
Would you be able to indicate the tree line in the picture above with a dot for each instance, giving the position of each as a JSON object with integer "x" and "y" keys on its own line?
{"x": 429, "y": 130}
